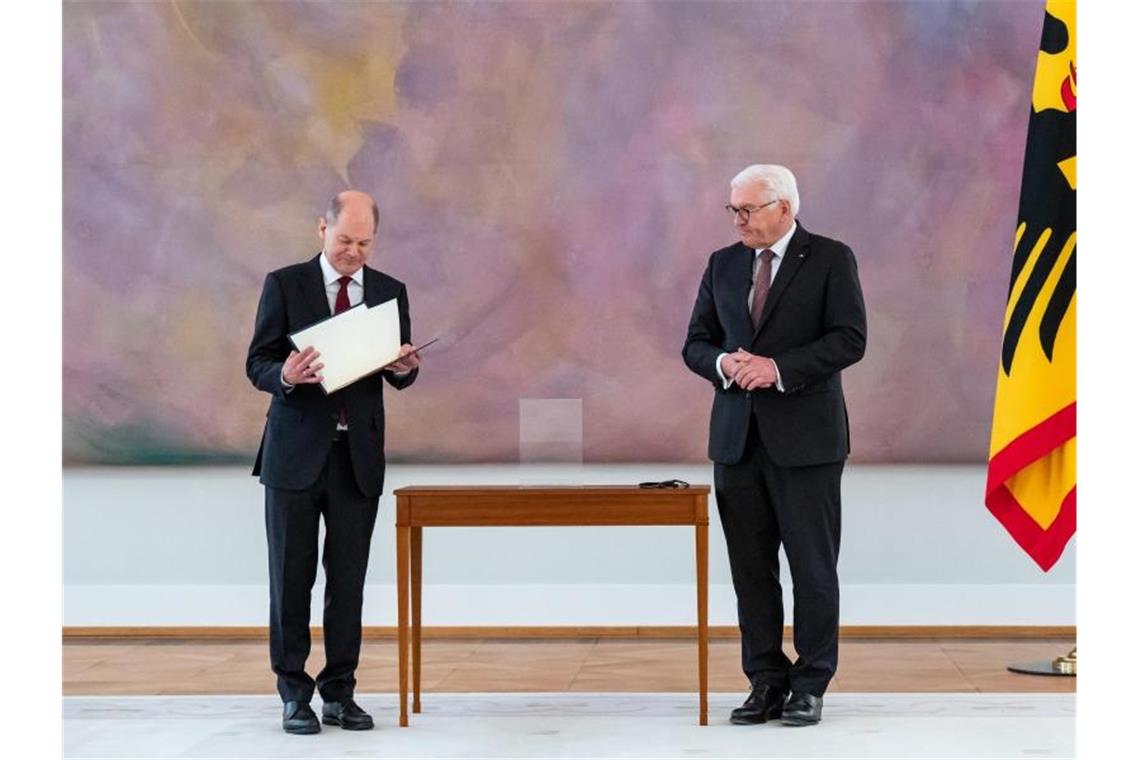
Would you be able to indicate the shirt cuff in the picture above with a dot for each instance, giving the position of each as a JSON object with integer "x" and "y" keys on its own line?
{"x": 779, "y": 382}
{"x": 726, "y": 381}
{"x": 285, "y": 387}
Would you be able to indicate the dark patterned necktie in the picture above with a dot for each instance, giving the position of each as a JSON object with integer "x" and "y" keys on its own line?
{"x": 342, "y": 305}
{"x": 763, "y": 284}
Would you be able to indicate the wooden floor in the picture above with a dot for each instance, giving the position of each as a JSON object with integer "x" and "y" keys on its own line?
{"x": 591, "y": 665}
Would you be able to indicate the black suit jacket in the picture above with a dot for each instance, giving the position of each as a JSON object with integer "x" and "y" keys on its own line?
{"x": 300, "y": 424}
{"x": 813, "y": 325}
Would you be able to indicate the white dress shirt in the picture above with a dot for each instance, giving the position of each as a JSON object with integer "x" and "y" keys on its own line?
{"x": 778, "y": 249}
{"x": 332, "y": 284}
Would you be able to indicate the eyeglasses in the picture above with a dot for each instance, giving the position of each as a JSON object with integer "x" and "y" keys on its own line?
{"x": 663, "y": 484}
{"x": 746, "y": 211}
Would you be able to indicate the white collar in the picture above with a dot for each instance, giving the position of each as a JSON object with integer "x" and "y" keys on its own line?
{"x": 780, "y": 247}
{"x": 331, "y": 275}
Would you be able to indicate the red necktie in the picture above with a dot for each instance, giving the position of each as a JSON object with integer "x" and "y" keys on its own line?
{"x": 342, "y": 295}
{"x": 763, "y": 284}
{"x": 342, "y": 305}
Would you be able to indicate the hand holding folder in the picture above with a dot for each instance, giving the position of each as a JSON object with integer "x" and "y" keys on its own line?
{"x": 415, "y": 351}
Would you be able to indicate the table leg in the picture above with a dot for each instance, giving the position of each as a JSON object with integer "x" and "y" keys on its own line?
{"x": 703, "y": 619}
{"x": 417, "y": 585}
{"x": 402, "y": 540}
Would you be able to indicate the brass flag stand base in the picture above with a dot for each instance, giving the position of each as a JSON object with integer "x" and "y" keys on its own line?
{"x": 1065, "y": 665}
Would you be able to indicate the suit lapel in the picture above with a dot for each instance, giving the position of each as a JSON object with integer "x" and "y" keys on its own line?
{"x": 373, "y": 294}
{"x": 794, "y": 257}
{"x": 740, "y": 282}
{"x": 313, "y": 287}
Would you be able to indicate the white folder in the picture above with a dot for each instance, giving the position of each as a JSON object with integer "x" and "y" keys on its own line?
{"x": 354, "y": 343}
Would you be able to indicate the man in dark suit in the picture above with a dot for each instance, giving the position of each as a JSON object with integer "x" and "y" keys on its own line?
{"x": 778, "y": 315}
{"x": 322, "y": 455}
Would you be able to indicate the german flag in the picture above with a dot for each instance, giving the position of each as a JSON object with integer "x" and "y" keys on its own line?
{"x": 1031, "y": 487}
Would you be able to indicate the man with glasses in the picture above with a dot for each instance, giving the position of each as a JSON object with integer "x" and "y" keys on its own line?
{"x": 777, "y": 317}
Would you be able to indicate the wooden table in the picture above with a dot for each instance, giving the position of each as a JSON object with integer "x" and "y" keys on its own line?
{"x": 418, "y": 507}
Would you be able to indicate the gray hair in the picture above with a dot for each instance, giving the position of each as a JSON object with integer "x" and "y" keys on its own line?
{"x": 336, "y": 205}
{"x": 779, "y": 181}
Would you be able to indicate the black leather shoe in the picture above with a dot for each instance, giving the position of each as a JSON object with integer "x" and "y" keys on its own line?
{"x": 346, "y": 714}
{"x": 764, "y": 703}
{"x": 299, "y": 718}
{"x": 802, "y": 709}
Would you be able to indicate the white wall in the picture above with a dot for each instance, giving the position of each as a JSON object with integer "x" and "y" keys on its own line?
{"x": 186, "y": 546}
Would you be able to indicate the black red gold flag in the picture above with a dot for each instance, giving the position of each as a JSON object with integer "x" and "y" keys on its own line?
{"x": 1031, "y": 486}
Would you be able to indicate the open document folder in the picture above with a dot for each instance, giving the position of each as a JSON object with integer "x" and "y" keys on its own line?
{"x": 354, "y": 343}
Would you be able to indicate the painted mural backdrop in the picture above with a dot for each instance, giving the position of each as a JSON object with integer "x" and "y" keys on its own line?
{"x": 551, "y": 179}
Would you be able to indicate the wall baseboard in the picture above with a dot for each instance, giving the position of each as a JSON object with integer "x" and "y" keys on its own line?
{"x": 380, "y": 632}
{"x": 573, "y": 606}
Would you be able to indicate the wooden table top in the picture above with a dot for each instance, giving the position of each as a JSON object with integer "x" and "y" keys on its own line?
{"x": 583, "y": 489}
{"x": 457, "y": 505}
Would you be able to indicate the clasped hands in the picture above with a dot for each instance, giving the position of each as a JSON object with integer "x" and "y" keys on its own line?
{"x": 749, "y": 371}
{"x": 302, "y": 366}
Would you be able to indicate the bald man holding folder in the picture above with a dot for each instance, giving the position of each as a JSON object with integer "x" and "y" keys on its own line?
{"x": 322, "y": 455}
